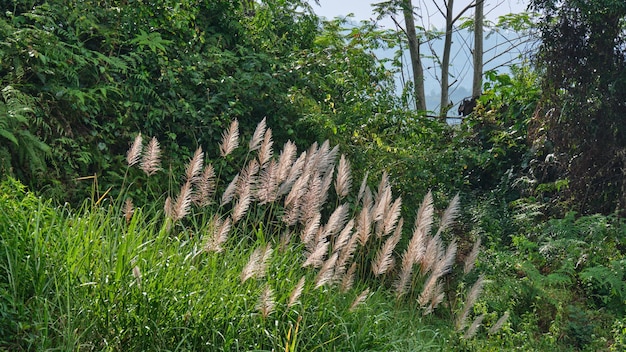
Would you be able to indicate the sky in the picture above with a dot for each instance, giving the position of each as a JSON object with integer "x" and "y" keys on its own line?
{"x": 430, "y": 17}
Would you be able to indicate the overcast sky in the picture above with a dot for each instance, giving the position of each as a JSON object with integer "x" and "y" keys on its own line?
{"x": 426, "y": 9}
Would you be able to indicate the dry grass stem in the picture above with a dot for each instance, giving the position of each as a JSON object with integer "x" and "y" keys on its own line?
{"x": 450, "y": 214}
{"x": 133, "y": 154}
{"x": 167, "y": 208}
{"x": 470, "y": 260}
{"x": 311, "y": 204}
{"x": 266, "y": 303}
{"x": 266, "y": 152}
{"x": 343, "y": 183}
{"x": 193, "y": 169}
{"x": 183, "y": 202}
{"x": 498, "y": 325}
{"x": 286, "y": 159}
{"x": 128, "y": 210}
{"x": 230, "y": 139}
{"x": 205, "y": 186}
{"x": 391, "y": 216}
{"x": 326, "y": 272}
{"x": 336, "y": 221}
{"x": 229, "y": 193}
{"x": 151, "y": 161}
{"x": 257, "y": 137}
{"x": 362, "y": 187}
{"x": 344, "y": 236}
{"x": 295, "y": 172}
{"x": 316, "y": 258}
{"x": 384, "y": 256}
{"x": 267, "y": 185}
{"x": 294, "y": 297}
{"x": 252, "y": 266}
{"x": 472, "y": 297}
{"x": 471, "y": 331}
{"x": 363, "y": 226}
{"x": 137, "y": 275}
{"x": 348, "y": 279}
{"x": 311, "y": 226}
{"x": 360, "y": 299}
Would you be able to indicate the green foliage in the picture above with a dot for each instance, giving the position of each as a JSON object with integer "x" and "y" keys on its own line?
{"x": 579, "y": 126}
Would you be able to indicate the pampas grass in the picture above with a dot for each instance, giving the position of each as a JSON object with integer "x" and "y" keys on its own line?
{"x": 230, "y": 139}
{"x": 151, "y": 161}
{"x": 134, "y": 153}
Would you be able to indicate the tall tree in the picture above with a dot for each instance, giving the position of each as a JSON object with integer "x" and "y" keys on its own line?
{"x": 477, "y": 55}
{"x": 414, "y": 50}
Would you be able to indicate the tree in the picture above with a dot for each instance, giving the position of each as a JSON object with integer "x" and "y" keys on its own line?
{"x": 416, "y": 60}
{"x": 477, "y": 54}
{"x": 583, "y": 63}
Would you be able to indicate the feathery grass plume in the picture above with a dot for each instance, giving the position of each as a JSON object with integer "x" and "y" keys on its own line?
{"x": 383, "y": 198}
{"x": 425, "y": 214}
{"x": 344, "y": 236}
{"x": 472, "y": 297}
{"x": 450, "y": 214}
{"x": 384, "y": 256}
{"x": 437, "y": 297}
{"x": 230, "y": 139}
{"x": 167, "y": 207}
{"x": 470, "y": 260}
{"x": 441, "y": 267}
{"x": 327, "y": 162}
{"x": 257, "y": 137}
{"x": 390, "y": 218}
{"x": 267, "y": 185}
{"x": 286, "y": 159}
{"x": 266, "y": 303}
{"x": 413, "y": 254}
{"x": 229, "y": 193}
{"x": 433, "y": 252}
{"x": 362, "y": 187}
{"x": 266, "y": 152}
{"x": 151, "y": 161}
{"x": 133, "y": 154}
{"x": 316, "y": 257}
{"x": 348, "y": 279}
{"x": 345, "y": 256}
{"x": 218, "y": 235}
{"x": 244, "y": 191}
{"x": 429, "y": 288}
{"x": 337, "y": 220}
{"x": 295, "y": 172}
{"x": 343, "y": 183}
{"x": 326, "y": 272}
{"x": 311, "y": 226}
{"x": 285, "y": 239}
{"x": 183, "y": 202}
{"x": 327, "y": 180}
{"x": 298, "y": 190}
{"x": 471, "y": 331}
{"x": 363, "y": 226}
{"x": 128, "y": 210}
{"x": 205, "y": 186}
{"x": 257, "y": 264}
{"x": 498, "y": 325}
{"x": 360, "y": 299}
{"x": 294, "y": 297}
{"x": 192, "y": 170}
{"x": 137, "y": 275}
{"x": 445, "y": 263}
{"x": 311, "y": 203}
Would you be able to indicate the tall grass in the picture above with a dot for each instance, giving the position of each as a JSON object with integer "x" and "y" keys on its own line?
{"x": 278, "y": 261}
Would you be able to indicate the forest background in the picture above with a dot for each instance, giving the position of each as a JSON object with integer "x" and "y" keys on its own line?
{"x": 99, "y": 255}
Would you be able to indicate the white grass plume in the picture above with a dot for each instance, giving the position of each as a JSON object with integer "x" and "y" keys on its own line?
{"x": 230, "y": 139}
{"x": 151, "y": 161}
{"x": 133, "y": 154}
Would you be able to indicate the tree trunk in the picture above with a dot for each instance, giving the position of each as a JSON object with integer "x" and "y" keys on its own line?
{"x": 477, "y": 82}
{"x": 445, "y": 62}
{"x": 416, "y": 60}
